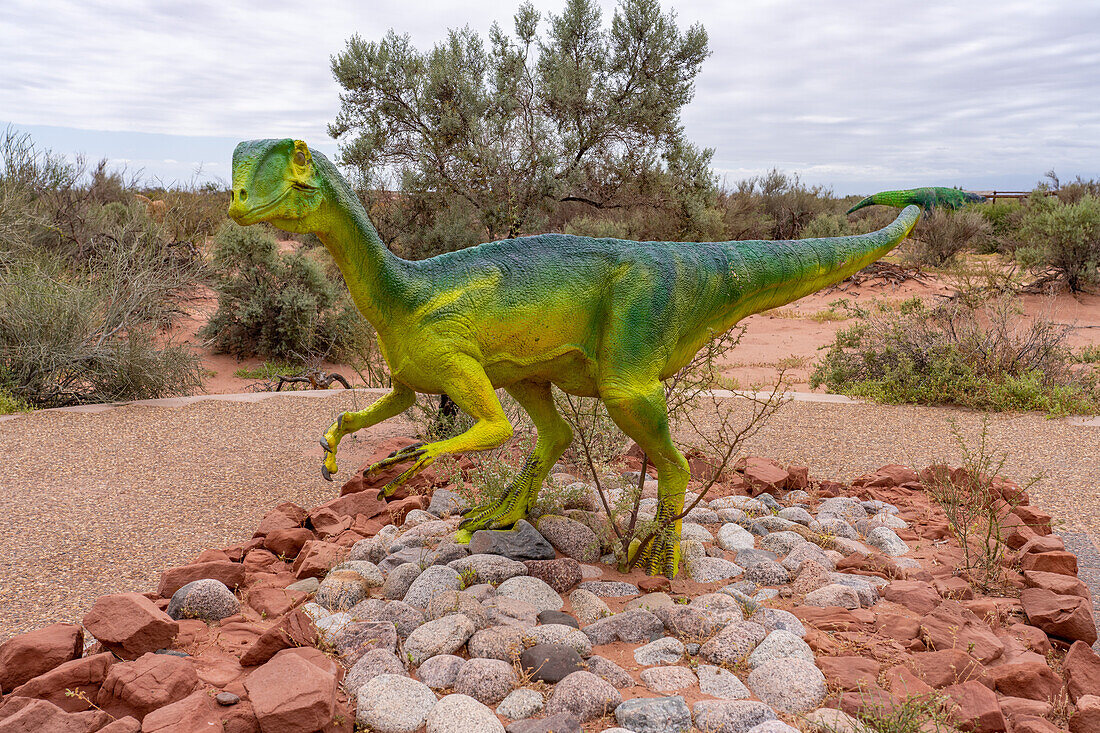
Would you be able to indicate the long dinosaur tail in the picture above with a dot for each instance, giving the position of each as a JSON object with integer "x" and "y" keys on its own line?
{"x": 926, "y": 198}
{"x": 779, "y": 272}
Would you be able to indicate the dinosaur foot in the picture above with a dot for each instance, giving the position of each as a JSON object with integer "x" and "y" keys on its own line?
{"x": 661, "y": 556}
{"x": 499, "y": 514}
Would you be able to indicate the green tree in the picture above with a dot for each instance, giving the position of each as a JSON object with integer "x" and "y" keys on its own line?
{"x": 507, "y": 131}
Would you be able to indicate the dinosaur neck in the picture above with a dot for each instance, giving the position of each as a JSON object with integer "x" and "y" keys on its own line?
{"x": 378, "y": 280}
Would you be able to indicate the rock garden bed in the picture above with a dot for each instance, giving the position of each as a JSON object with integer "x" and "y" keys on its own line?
{"x": 814, "y": 606}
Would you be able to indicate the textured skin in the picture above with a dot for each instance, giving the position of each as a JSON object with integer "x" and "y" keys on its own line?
{"x": 926, "y": 198}
{"x": 603, "y": 318}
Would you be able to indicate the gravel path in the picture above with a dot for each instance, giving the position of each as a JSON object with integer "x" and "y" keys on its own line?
{"x": 100, "y": 502}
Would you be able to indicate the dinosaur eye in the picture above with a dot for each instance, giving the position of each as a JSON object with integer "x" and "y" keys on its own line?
{"x": 300, "y": 158}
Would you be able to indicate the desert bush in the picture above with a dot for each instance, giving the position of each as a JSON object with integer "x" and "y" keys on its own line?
{"x": 1065, "y": 237}
{"x": 92, "y": 335}
{"x": 826, "y": 225}
{"x": 273, "y": 305}
{"x": 86, "y": 283}
{"x": 942, "y": 234}
{"x": 980, "y": 356}
{"x": 9, "y": 403}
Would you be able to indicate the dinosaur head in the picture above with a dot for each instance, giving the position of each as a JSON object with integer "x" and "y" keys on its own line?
{"x": 275, "y": 181}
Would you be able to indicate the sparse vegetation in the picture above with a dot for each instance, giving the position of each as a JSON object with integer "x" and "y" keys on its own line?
{"x": 87, "y": 281}
{"x": 957, "y": 353}
{"x": 597, "y": 440}
{"x": 942, "y": 234}
{"x": 267, "y": 370}
{"x": 976, "y": 500}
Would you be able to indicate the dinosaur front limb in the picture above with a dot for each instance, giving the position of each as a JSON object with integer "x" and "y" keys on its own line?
{"x": 393, "y": 403}
{"x": 467, "y": 384}
{"x": 554, "y": 436}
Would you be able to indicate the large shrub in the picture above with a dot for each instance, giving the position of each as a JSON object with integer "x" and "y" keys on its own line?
{"x": 275, "y": 305}
{"x": 1065, "y": 237}
{"x": 957, "y": 353}
{"x": 87, "y": 281}
{"x": 942, "y": 234}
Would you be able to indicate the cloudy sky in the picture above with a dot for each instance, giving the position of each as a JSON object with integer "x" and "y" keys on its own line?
{"x": 854, "y": 95}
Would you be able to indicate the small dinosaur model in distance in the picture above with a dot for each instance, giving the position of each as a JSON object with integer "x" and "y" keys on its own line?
{"x": 602, "y": 318}
{"x": 927, "y": 198}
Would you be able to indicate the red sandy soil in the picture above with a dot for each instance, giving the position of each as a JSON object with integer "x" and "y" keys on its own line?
{"x": 785, "y": 337}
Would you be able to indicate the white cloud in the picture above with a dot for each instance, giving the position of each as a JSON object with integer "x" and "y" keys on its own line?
{"x": 849, "y": 93}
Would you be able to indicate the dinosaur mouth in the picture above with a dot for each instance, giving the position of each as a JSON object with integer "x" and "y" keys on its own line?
{"x": 254, "y": 214}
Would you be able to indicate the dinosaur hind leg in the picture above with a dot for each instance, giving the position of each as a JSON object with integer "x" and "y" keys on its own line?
{"x": 554, "y": 437}
{"x": 639, "y": 409}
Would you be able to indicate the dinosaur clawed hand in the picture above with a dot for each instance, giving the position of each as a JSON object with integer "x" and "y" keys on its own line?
{"x": 423, "y": 455}
{"x": 329, "y": 441}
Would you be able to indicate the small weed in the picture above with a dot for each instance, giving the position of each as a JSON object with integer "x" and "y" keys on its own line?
{"x": 914, "y": 715}
{"x": 1088, "y": 355}
{"x": 79, "y": 695}
{"x": 467, "y": 578}
{"x": 975, "y": 505}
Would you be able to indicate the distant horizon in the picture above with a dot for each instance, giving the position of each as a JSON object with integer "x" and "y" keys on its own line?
{"x": 850, "y": 95}
{"x": 166, "y": 161}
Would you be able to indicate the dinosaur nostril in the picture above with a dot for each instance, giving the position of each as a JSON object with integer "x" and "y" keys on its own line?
{"x": 244, "y": 195}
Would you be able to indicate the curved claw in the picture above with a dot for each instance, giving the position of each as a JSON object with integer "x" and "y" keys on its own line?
{"x": 325, "y": 474}
{"x": 325, "y": 445}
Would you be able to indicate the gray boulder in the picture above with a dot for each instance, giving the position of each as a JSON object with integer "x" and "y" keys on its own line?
{"x": 632, "y": 627}
{"x": 731, "y": 716}
{"x": 531, "y": 590}
{"x": 608, "y": 671}
{"x": 732, "y": 644}
{"x": 668, "y": 679}
{"x": 369, "y": 666}
{"x": 462, "y": 714}
{"x": 442, "y": 636}
{"x": 718, "y": 682}
{"x": 441, "y": 671}
{"x": 398, "y": 581}
{"x": 392, "y": 703}
{"x": 522, "y": 542}
{"x": 206, "y": 599}
{"x": 668, "y": 650}
{"x": 654, "y": 714}
{"x": 521, "y": 703}
{"x": 886, "y": 540}
{"x": 486, "y": 680}
{"x": 341, "y": 590}
{"x": 585, "y": 696}
{"x": 489, "y": 568}
{"x": 570, "y": 537}
{"x": 433, "y": 580}
{"x": 789, "y": 684}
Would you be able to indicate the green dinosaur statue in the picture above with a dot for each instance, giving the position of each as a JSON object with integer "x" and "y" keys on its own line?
{"x": 603, "y": 318}
{"x": 926, "y": 198}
